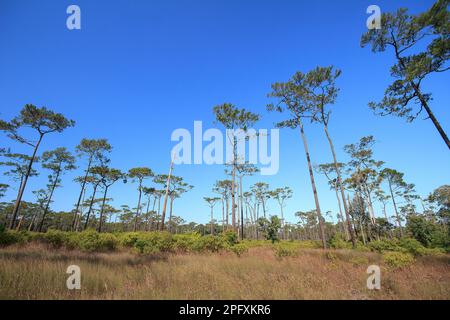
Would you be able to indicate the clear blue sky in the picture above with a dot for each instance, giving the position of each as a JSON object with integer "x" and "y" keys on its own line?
{"x": 137, "y": 70}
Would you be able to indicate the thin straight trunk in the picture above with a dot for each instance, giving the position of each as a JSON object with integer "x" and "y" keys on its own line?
{"x": 101, "y": 210}
{"x": 49, "y": 199}
{"x": 86, "y": 223}
{"x": 228, "y": 210}
{"x": 313, "y": 185}
{"x": 223, "y": 215}
{"x": 83, "y": 186}
{"x": 23, "y": 185}
{"x": 242, "y": 209}
{"x": 163, "y": 217}
{"x": 395, "y": 208}
{"x": 233, "y": 200}
{"x": 264, "y": 207}
{"x": 340, "y": 212}
{"x": 79, "y": 216}
{"x": 170, "y": 214}
{"x": 212, "y": 219}
{"x": 341, "y": 187}
{"x": 138, "y": 208}
{"x": 32, "y": 222}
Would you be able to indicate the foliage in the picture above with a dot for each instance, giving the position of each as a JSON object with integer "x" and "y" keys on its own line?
{"x": 186, "y": 242}
{"x": 337, "y": 242}
{"x": 153, "y": 242}
{"x": 284, "y": 249}
{"x": 9, "y": 237}
{"x": 270, "y": 227}
{"x": 398, "y": 259}
{"x": 230, "y": 237}
{"x": 239, "y": 249}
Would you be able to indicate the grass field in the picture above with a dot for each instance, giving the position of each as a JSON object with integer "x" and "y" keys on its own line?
{"x": 36, "y": 271}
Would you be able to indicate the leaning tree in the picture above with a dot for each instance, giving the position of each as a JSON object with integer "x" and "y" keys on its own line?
{"x": 421, "y": 46}
{"x": 292, "y": 99}
{"x": 41, "y": 120}
{"x": 57, "y": 161}
{"x": 94, "y": 150}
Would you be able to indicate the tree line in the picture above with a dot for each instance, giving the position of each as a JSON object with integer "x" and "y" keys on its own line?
{"x": 420, "y": 47}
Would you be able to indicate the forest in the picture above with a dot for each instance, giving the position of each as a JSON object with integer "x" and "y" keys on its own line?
{"x": 381, "y": 219}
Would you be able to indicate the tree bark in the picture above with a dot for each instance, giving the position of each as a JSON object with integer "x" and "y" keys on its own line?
{"x": 212, "y": 220}
{"x": 83, "y": 185}
{"x": 101, "y": 210}
{"x": 23, "y": 185}
{"x": 313, "y": 185}
{"x": 49, "y": 199}
{"x": 138, "y": 207}
{"x": 341, "y": 187}
{"x": 170, "y": 213}
{"x": 86, "y": 223}
{"x": 163, "y": 216}
{"x": 422, "y": 100}
{"x": 395, "y": 208}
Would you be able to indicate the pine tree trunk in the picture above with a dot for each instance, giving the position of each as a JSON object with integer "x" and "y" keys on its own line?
{"x": 83, "y": 186}
{"x": 49, "y": 200}
{"x": 86, "y": 223}
{"x": 23, "y": 185}
{"x": 101, "y": 210}
{"x": 163, "y": 216}
{"x": 138, "y": 208}
{"x": 313, "y": 184}
{"x": 395, "y": 208}
{"x": 212, "y": 219}
{"x": 341, "y": 186}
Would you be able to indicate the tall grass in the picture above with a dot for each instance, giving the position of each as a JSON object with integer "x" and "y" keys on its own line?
{"x": 35, "y": 271}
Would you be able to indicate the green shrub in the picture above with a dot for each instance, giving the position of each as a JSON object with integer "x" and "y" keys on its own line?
{"x": 285, "y": 250}
{"x": 128, "y": 239}
{"x": 398, "y": 259}
{"x": 185, "y": 242}
{"x": 338, "y": 242}
{"x": 55, "y": 238}
{"x": 211, "y": 243}
{"x": 412, "y": 246}
{"x": 385, "y": 245}
{"x": 10, "y": 237}
{"x": 230, "y": 237}
{"x": 239, "y": 249}
{"x": 91, "y": 241}
{"x": 153, "y": 242}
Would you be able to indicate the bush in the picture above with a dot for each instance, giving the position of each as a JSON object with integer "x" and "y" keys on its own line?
{"x": 239, "y": 249}
{"x": 412, "y": 246}
{"x": 285, "y": 249}
{"x": 229, "y": 237}
{"x": 211, "y": 243}
{"x": 398, "y": 259}
{"x": 55, "y": 238}
{"x": 153, "y": 242}
{"x": 385, "y": 245}
{"x": 338, "y": 242}
{"x": 91, "y": 241}
{"x": 128, "y": 239}
{"x": 186, "y": 242}
{"x": 10, "y": 237}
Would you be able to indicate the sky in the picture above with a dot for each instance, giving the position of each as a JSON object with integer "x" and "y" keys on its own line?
{"x": 138, "y": 70}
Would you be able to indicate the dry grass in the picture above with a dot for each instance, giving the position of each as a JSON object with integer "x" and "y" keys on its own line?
{"x": 35, "y": 272}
